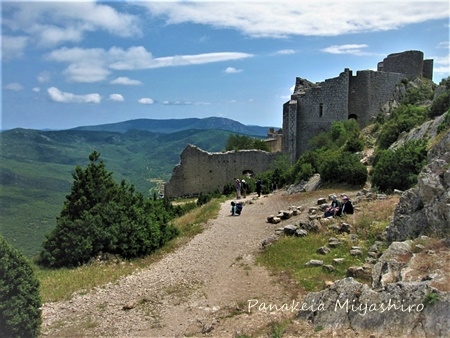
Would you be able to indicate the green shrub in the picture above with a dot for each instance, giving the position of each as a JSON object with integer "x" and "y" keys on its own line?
{"x": 229, "y": 189}
{"x": 430, "y": 298}
{"x": 20, "y": 302}
{"x": 305, "y": 172}
{"x": 101, "y": 216}
{"x": 399, "y": 169}
{"x": 440, "y": 104}
{"x": 205, "y": 198}
{"x": 239, "y": 142}
{"x": 306, "y": 166}
{"x": 417, "y": 95}
{"x": 340, "y": 132}
{"x": 342, "y": 167}
{"x": 354, "y": 144}
{"x": 403, "y": 119}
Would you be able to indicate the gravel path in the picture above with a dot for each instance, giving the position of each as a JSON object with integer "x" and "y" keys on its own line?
{"x": 200, "y": 289}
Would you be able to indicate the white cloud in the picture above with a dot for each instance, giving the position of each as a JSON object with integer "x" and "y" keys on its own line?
{"x": 15, "y": 86}
{"x": 286, "y": 52}
{"x": 50, "y": 23}
{"x": 232, "y": 70}
{"x": 346, "y": 49}
{"x": 125, "y": 81}
{"x": 441, "y": 65}
{"x": 43, "y": 77}
{"x": 59, "y": 96}
{"x": 13, "y": 46}
{"x": 309, "y": 18}
{"x": 444, "y": 44}
{"x": 86, "y": 72}
{"x": 184, "y": 103}
{"x": 36, "y": 89}
{"x": 85, "y": 65}
{"x": 146, "y": 100}
{"x": 116, "y": 97}
{"x": 139, "y": 58}
{"x": 95, "y": 64}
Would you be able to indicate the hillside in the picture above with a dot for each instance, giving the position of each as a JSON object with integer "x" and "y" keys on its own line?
{"x": 36, "y": 168}
{"x": 176, "y": 125}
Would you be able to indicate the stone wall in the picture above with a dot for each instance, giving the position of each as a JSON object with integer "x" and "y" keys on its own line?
{"x": 369, "y": 90}
{"x": 203, "y": 172}
{"x": 410, "y": 63}
{"x": 274, "y": 140}
{"x": 312, "y": 110}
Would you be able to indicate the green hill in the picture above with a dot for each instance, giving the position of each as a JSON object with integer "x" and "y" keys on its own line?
{"x": 36, "y": 170}
{"x": 176, "y": 125}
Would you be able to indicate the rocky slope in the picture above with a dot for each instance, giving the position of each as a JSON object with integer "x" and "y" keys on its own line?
{"x": 409, "y": 295}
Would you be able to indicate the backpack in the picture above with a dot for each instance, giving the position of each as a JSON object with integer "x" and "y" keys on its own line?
{"x": 239, "y": 207}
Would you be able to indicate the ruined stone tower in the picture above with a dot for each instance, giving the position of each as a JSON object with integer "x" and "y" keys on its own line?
{"x": 313, "y": 107}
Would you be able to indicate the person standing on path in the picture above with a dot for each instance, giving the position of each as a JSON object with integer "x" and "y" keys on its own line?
{"x": 244, "y": 188}
{"x": 237, "y": 185}
{"x": 259, "y": 187}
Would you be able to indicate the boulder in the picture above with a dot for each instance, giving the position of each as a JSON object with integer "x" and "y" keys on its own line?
{"x": 287, "y": 214}
{"x": 301, "y": 233}
{"x": 389, "y": 267}
{"x": 397, "y": 311}
{"x": 314, "y": 262}
{"x": 328, "y": 268}
{"x": 268, "y": 241}
{"x": 337, "y": 261}
{"x": 290, "y": 229}
{"x": 323, "y": 250}
{"x": 321, "y": 201}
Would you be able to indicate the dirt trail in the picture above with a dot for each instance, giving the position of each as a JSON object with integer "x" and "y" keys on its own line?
{"x": 201, "y": 289}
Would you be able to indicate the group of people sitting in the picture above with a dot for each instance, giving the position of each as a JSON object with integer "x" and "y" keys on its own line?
{"x": 338, "y": 208}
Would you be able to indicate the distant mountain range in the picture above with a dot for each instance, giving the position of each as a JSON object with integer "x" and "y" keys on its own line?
{"x": 174, "y": 125}
{"x": 36, "y": 166}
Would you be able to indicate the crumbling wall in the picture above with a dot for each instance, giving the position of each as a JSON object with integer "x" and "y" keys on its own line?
{"x": 203, "y": 172}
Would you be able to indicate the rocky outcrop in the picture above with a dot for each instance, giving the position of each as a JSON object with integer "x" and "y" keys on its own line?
{"x": 311, "y": 185}
{"x": 402, "y": 302}
{"x": 428, "y": 130}
{"x": 399, "y": 310}
{"x": 425, "y": 209}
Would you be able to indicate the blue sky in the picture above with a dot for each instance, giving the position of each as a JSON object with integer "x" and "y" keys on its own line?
{"x": 67, "y": 64}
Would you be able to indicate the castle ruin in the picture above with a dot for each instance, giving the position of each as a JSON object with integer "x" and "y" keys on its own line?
{"x": 313, "y": 107}
{"x": 203, "y": 172}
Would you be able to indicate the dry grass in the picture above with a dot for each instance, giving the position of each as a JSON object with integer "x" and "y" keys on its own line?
{"x": 432, "y": 259}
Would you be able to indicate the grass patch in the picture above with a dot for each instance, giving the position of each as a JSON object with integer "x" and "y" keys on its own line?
{"x": 61, "y": 284}
{"x": 290, "y": 254}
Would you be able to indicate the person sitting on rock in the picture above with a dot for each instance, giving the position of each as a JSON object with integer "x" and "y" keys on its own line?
{"x": 347, "y": 206}
{"x": 334, "y": 209}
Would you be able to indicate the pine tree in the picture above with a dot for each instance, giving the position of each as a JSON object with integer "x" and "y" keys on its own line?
{"x": 20, "y": 302}
{"x": 101, "y": 216}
